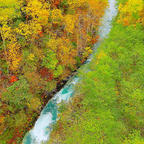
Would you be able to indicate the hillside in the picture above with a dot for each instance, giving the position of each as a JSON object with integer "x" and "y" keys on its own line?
{"x": 108, "y": 106}
{"x": 42, "y": 42}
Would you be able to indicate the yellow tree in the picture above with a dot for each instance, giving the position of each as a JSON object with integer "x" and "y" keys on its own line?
{"x": 38, "y": 10}
{"x": 12, "y": 48}
{"x": 130, "y": 12}
{"x": 9, "y": 9}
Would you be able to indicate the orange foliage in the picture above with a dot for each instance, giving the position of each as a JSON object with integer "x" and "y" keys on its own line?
{"x": 50, "y": 77}
{"x": 46, "y": 73}
{"x": 56, "y": 3}
{"x": 2, "y": 119}
{"x": 94, "y": 40}
{"x": 13, "y": 79}
{"x": 40, "y": 33}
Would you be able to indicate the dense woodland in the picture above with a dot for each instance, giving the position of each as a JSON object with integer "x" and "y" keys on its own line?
{"x": 108, "y": 107}
{"x": 41, "y": 43}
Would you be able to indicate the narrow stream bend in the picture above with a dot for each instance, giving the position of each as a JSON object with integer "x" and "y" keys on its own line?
{"x": 49, "y": 115}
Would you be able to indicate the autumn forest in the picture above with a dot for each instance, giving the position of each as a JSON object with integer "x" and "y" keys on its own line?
{"x": 44, "y": 42}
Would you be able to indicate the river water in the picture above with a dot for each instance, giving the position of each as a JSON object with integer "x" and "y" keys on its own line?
{"x": 40, "y": 133}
